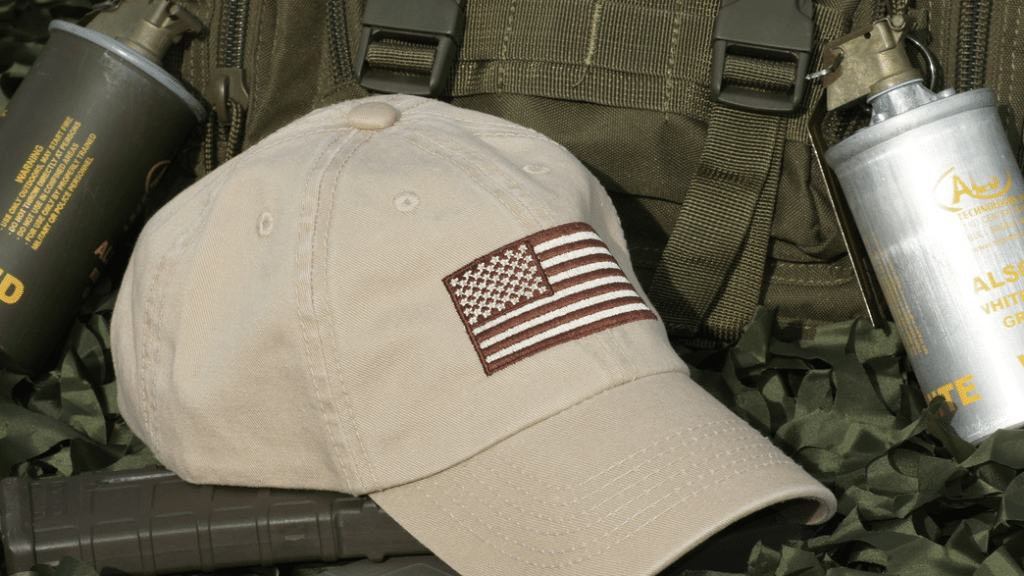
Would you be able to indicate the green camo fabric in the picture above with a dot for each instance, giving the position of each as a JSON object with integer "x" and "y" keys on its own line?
{"x": 913, "y": 498}
{"x": 23, "y": 32}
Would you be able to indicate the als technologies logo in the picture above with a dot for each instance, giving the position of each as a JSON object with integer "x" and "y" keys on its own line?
{"x": 952, "y": 190}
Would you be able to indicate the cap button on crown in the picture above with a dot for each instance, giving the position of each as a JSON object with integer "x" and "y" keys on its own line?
{"x": 373, "y": 116}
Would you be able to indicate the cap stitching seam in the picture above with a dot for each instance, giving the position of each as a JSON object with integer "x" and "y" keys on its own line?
{"x": 317, "y": 385}
{"x": 547, "y": 503}
{"x": 606, "y": 390}
{"x": 148, "y": 352}
{"x": 468, "y": 173}
{"x": 150, "y": 355}
{"x": 511, "y": 186}
{"x": 621, "y": 358}
{"x": 751, "y": 434}
{"x": 149, "y": 359}
{"x": 586, "y": 557}
{"x": 625, "y": 506}
{"x": 268, "y": 146}
{"x": 642, "y": 450}
{"x": 346, "y": 398}
{"x": 602, "y": 339}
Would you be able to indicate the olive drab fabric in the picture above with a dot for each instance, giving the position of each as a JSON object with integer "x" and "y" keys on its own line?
{"x": 723, "y": 208}
{"x": 697, "y": 183}
{"x": 257, "y": 77}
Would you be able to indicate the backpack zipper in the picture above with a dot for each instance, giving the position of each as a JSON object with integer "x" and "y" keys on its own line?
{"x": 341, "y": 55}
{"x": 234, "y": 18}
{"x": 229, "y": 91}
{"x": 883, "y": 8}
{"x": 972, "y": 44}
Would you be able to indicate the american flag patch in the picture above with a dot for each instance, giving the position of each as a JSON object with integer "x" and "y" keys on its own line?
{"x": 552, "y": 287}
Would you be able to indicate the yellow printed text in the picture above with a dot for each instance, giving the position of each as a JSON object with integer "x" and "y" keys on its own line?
{"x": 1008, "y": 274}
{"x": 11, "y": 289}
{"x": 965, "y": 391}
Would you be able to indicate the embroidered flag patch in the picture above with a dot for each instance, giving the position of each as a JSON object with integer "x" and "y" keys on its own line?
{"x": 555, "y": 286}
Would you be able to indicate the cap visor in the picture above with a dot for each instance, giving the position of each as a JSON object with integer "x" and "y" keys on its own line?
{"x": 623, "y": 483}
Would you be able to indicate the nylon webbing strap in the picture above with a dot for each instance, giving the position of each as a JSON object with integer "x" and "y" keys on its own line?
{"x": 656, "y": 55}
{"x": 643, "y": 54}
{"x": 405, "y": 57}
{"x": 709, "y": 280}
{"x": 711, "y": 274}
{"x": 777, "y": 75}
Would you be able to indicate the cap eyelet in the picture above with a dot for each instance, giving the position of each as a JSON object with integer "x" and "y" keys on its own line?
{"x": 265, "y": 224}
{"x": 407, "y": 202}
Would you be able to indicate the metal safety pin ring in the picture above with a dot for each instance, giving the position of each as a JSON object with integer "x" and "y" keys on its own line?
{"x": 932, "y": 63}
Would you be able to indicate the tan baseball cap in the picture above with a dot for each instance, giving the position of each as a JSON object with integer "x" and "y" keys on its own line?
{"x": 433, "y": 306}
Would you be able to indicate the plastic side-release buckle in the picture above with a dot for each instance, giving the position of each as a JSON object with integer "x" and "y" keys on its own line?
{"x": 779, "y": 31}
{"x": 416, "y": 27}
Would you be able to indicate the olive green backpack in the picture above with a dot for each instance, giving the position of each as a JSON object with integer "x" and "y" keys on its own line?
{"x": 694, "y": 115}
{"x": 723, "y": 207}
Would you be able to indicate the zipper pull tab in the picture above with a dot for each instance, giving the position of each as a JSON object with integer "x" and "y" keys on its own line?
{"x": 227, "y": 84}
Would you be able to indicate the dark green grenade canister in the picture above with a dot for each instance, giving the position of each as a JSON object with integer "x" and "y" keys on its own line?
{"x": 84, "y": 138}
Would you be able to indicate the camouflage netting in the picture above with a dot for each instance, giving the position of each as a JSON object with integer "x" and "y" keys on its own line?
{"x": 914, "y": 499}
{"x": 23, "y": 31}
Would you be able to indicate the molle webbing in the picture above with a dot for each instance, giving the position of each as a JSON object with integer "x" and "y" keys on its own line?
{"x": 656, "y": 56}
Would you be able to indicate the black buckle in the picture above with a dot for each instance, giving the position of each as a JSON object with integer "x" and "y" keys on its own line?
{"x": 779, "y": 30}
{"x": 436, "y": 24}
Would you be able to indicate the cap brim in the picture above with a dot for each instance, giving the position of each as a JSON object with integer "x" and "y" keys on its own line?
{"x": 623, "y": 483}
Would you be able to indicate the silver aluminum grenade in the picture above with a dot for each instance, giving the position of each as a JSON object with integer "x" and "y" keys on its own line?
{"x": 938, "y": 199}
